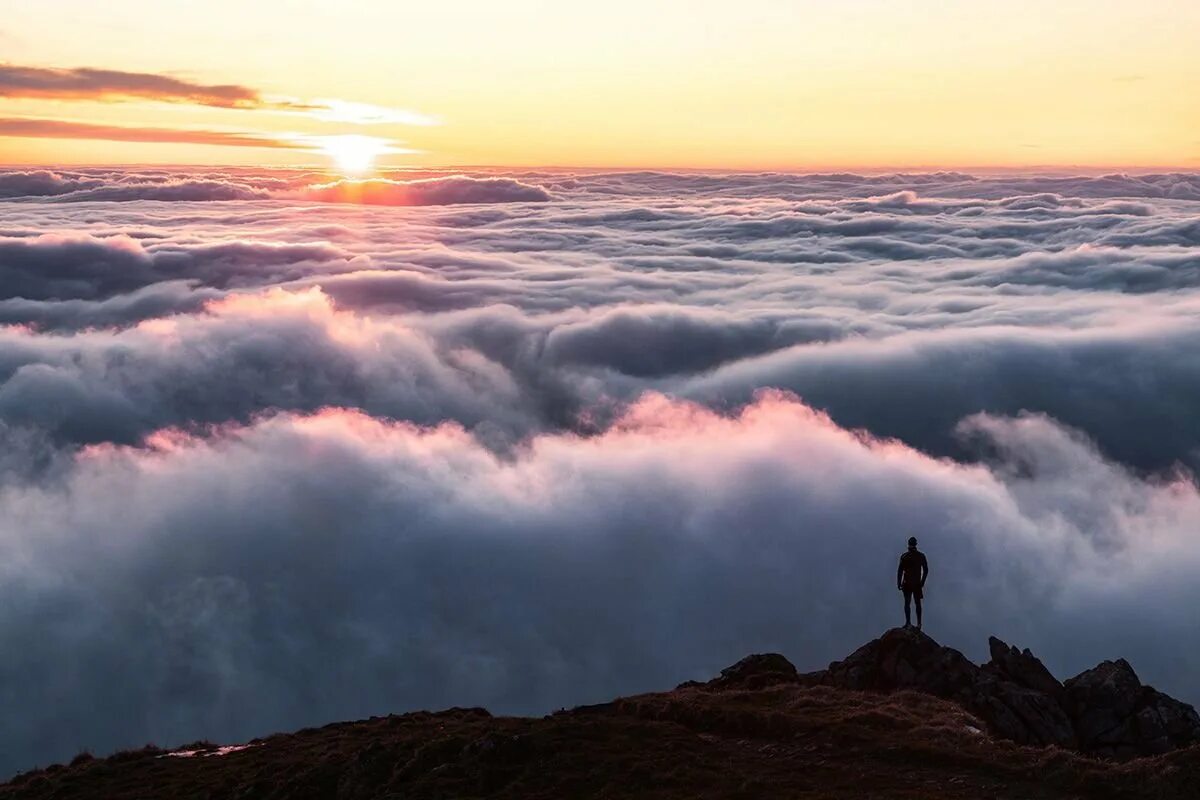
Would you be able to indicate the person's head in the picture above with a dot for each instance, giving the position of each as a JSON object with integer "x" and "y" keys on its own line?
{"x": 912, "y": 543}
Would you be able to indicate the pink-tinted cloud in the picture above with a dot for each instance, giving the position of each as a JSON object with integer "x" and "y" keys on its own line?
{"x": 449, "y": 190}
{"x": 338, "y": 549}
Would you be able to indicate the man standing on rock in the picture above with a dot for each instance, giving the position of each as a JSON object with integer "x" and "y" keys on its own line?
{"x": 910, "y": 579}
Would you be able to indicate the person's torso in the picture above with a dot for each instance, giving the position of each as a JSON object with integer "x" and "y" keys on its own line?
{"x": 910, "y": 567}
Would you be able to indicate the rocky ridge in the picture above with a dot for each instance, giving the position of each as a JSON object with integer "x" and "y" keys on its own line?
{"x": 1104, "y": 711}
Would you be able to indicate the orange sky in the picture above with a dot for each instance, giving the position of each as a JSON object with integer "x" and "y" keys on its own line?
{"x": 756, "y": 84}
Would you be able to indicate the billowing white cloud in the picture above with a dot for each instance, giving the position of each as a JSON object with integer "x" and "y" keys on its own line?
{"x": 303, "y": 569}
{"x": 500, "y": 437}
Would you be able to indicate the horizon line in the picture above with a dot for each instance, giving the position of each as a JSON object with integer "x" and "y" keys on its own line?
{"x": 793, "y": 170}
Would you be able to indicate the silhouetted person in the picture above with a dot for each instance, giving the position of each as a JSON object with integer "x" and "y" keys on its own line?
{"x": 910, "y": 579}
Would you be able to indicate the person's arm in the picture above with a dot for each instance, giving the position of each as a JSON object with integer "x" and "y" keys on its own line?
{"x": 900, "y": 574}
{"x": 924, "y": 570}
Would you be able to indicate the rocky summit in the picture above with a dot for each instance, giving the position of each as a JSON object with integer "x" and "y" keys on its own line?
{"x": 1104, "y": 711}
{"x": 901, "y": 717}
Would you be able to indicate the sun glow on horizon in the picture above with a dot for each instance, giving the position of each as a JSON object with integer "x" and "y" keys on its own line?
{"x": 355, "y": 154}
{"x": 759, "y": 85}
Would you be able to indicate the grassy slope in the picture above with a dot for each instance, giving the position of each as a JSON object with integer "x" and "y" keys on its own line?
{"x": 782, "y": 741}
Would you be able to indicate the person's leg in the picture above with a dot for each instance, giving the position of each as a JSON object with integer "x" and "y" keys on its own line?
{"x": 918, "y": 599}
{"x": 908, "y": 609}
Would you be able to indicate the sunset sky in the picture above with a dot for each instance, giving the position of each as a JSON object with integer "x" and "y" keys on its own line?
{"x": 757, "y": 84}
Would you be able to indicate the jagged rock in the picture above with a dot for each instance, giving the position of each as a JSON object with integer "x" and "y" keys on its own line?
{"x": 1017, "y": 712}
{"x": 1116, "y": 715}
{"x": 1022, "y": 685}
{"x": 756, "y": 671}
{"x": 905, "y": 658}
{"x": 1105, "y": 711}
{"x": 1022, "y": 667}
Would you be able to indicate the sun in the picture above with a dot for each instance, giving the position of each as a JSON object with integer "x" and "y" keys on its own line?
{"x": 354, "y": 154}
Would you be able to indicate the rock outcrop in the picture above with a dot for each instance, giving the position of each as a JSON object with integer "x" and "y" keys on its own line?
{"x": 755, "y": 672}
{"x": 1022, "y": 667}
{"x": 1105, "y": 711}
{"x": 1116, "y": 715}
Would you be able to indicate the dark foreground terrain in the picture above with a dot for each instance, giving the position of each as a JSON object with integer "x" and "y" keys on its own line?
{"x": 758, "y": 730}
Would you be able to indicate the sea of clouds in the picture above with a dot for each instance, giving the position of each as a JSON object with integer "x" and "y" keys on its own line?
{"x": 278, "y": 449}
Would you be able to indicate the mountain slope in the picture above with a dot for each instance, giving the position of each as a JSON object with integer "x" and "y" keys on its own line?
{"x": 759, "y": 730}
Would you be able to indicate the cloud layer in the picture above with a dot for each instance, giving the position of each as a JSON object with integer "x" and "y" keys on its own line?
{"x": 445, "y": 191}
{"x": 314, "y": 449}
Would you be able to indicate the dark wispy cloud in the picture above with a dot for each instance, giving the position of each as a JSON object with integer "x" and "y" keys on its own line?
{"x": 33, "y": 127}
{"x": 290, "y": 455}
{"x": 85, "y": 83}
{"x": 88, "y": 83}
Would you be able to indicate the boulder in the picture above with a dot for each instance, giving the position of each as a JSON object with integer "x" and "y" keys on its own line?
{"x": 756, "y": 671}
{"x": 1116, "y": 715}
{"x": 1020, "y": 713}
{"x": 904, "y": 658}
